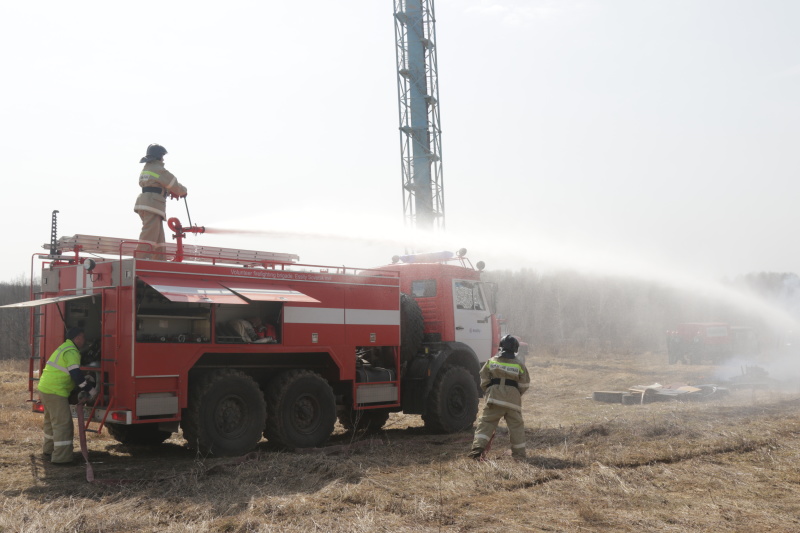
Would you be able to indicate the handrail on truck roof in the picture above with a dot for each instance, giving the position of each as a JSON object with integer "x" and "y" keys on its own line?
{"x": 93, "y": 244}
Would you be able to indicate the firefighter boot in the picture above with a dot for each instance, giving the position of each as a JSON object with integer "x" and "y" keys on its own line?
{"x": 476, "y": 454}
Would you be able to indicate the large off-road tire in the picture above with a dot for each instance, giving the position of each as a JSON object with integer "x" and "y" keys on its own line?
{"x": 453, "y": 402}
{"x": 138, "y": 434}
{"x": 226, "y": 414}
{"x": 368, "y": 420}
{"x": 411, "y": 327}
{"x": 301, "y": 410}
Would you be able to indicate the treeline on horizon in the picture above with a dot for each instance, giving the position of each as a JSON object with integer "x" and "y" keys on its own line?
{"x": 568, "y": 312}
{"x": 561, "y": 312}
{"x": 14, "y": 323}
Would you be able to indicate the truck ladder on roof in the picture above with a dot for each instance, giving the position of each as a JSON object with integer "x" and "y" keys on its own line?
{"x": 92, "y": 244}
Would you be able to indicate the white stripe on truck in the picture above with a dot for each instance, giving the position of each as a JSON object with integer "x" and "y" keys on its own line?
{"x": 362, "y": 317}
{"x": 312, "y": 315}
{"x": 372, "y": 317}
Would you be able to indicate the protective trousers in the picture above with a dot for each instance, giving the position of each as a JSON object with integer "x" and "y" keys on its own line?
{"x": 487, "y": 424}
{"x": 58, "y": 428}
{"x": 152, "y": 236}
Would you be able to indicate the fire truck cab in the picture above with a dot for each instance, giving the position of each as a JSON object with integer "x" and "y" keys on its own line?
{"x": 232, "y": 345}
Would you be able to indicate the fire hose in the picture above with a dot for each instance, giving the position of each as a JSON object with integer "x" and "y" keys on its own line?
{"x": 488, "y": 446}
{"x": 82, "y": 438}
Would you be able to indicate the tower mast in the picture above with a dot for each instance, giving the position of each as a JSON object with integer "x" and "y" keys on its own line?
{"x": 420, "y": 130}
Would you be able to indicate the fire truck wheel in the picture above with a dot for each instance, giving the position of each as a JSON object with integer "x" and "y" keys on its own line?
{"x": 453, "y": 402}
{"x": 411, "y": 327}
{"x": 139, "y": 434}
{"x": 368, "y": 420}
{"x": 301, "y": 409}
{"x": 226, "y": 414}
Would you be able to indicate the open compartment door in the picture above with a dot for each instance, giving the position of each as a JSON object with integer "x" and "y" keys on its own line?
{"x": 269, "y": 293}
{"x": 55, "y": 299}
{"x": 193, "y": 290}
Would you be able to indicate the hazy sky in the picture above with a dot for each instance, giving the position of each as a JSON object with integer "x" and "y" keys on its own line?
{"x": 632, "y": 134}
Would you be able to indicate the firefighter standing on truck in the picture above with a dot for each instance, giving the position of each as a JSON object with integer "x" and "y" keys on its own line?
{"x": 504, "y": 380}
{"x": 60, "y": 376}
{"x": 156, "y": 182}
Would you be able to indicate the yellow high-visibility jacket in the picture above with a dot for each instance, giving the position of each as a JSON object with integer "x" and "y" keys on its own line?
{"x": 56, "y": 378}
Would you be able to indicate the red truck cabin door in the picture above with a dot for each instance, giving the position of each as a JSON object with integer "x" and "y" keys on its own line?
{"x": 473, "y": 320}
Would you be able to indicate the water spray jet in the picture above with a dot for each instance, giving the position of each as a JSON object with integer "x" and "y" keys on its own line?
{"x": 502, "y": 251}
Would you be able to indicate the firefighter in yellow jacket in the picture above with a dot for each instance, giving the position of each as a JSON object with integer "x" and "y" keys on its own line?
{"x": 156, "y": 182}
{"x": 504, "y": 379}
{"x": 60, "y": 376}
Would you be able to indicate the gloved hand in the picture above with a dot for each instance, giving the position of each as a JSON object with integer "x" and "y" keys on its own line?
{"x": 93, "y": 393}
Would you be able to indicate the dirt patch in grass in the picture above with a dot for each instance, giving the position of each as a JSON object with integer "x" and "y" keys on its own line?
{"x": 725, "y": 464}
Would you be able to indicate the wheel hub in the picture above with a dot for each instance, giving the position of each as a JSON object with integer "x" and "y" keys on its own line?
{"x": 229, "y": 415}
{"x": 306, "y": 414}
{"x": 456, "y": 402}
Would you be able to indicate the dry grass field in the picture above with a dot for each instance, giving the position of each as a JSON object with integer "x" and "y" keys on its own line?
{"x": 723, "y": 464}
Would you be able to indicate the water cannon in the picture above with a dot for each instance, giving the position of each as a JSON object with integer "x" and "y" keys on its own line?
{"x": 180, "y": 234}
{"x": 176, "y": 226}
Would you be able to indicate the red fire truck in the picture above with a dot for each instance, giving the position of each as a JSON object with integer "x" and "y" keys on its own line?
{"x": 359, "y": 344}
{"x": 695, "y": 342}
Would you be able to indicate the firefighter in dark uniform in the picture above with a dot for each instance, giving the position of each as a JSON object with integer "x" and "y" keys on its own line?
{"x": 156, "y": 182}
{"x": 504, "y": 379}
{"x": 60, "y": 376}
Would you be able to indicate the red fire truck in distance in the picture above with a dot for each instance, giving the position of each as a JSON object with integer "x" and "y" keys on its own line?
{"x": 166, "y": 343}
{"x": 695, "y": 342}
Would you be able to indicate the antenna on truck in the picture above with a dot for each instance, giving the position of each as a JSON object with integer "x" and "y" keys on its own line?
{"x": 54, "y": 251}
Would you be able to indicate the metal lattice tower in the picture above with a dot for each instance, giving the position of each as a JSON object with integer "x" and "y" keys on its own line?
{"x": 420, "y": 130}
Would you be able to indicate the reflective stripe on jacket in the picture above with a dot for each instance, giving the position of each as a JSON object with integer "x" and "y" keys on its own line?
{"x": 55, "y": 377}
{"x": 155, "y": 175}
{"x": 505, "y": 368}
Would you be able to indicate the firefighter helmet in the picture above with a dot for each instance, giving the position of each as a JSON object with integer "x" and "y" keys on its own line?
{"x": 509, "y": 343}
{"x": 73, "y": 332}
{"x": 154, "y": 151}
